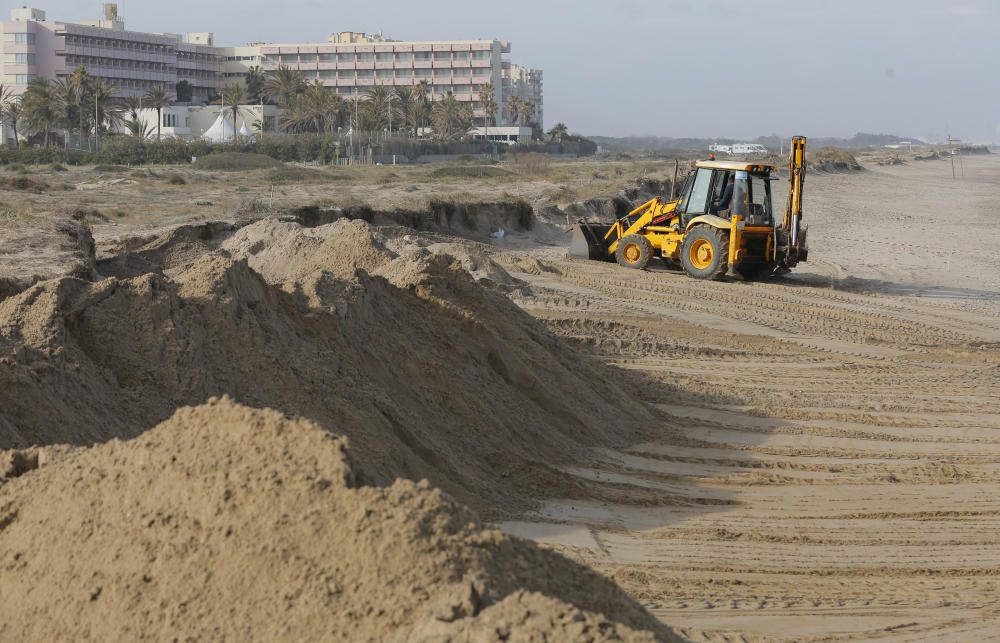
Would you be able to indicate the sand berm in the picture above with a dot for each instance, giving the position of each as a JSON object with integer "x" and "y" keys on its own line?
{"x": 226, "y": 521}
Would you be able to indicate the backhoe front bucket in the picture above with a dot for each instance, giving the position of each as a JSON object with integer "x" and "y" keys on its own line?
{"x": 588, "y": 241}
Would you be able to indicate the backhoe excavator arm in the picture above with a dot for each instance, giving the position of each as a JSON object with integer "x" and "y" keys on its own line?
{"x": 793, "y": 213}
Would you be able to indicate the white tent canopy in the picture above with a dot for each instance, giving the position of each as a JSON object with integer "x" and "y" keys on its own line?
{"x": 221, "y": 131}
{"x": 244, "y": 132}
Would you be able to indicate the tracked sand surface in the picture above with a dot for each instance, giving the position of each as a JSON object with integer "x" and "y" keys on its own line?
{"x": 812, "y": 458}
{"x": 229, "y": 523}
{"x": 828, "y": 464}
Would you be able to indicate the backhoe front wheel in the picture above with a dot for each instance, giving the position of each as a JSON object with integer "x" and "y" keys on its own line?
{"x": 634, "y": 251}
{"x": 705, "y": 252}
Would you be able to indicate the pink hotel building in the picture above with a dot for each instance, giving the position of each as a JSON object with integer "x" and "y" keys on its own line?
{"x": 460, "y": 67}
{"x": 132, "y": 61}
{"x": 349, "y": 62}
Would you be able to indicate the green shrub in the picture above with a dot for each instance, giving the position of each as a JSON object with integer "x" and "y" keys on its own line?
{"x": 176, "y": 179}
{"x": 235, "y": 162}
{"x": 106, "y": 169}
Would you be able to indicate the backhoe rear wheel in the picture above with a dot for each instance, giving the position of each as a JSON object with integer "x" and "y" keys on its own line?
{"x": 634, "y": 251}
{"x": 705, "y": 252}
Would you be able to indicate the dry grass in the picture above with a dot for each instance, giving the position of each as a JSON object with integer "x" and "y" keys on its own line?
{"x": 469, "y": 172}
{"x": 31, "y": 184}
{"x": 299, "y": 174}
{"x": 235, "y": 162}
{"x": 530, "y": 163}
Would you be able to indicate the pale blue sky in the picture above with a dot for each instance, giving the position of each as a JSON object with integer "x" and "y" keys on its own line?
{"x": 676, "y": 67}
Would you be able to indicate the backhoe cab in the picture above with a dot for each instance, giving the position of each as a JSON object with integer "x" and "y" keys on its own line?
{"x": 709, "y": 230}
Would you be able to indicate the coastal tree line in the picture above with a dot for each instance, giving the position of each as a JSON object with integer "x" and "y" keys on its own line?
{"x": 84, "y": 106}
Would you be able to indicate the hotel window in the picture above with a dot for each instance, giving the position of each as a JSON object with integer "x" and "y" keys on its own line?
{"x": 345, "y": 73}
{"x": 345, "y": 58}
{"x": 422, "y": 55}
{"x": 461, "y": 55}
{"x": 462, "y": 71}
{"x": 328, "y": 73}
{"x": 481, "y": 55}
{"x": 328, "y": 58}
{"x": 461, "y": 89}
{"x": 383, "y": 56}
{"x": 366, "y": 73}
{"x": 404, "y": 57}
{"x": 422, "y": 73}
{"x": 442, "y": 89}
{"x": 307, "y": 58}
{"x": 20, "y": 59}
{"x": 24, "y": 38}
{"x": 442, "y": 73}
{"x": 289, "y": 58}
{"x": 23, "y": 79}
{"x": 404, "y": 73}
{"x": 384, "y": 73}
{"x": 364, "y": 56}
{"x": 442, "y": 55}
{"x": 482, "y": 71}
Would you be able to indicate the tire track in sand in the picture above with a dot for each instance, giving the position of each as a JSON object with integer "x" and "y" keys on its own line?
{"x": 831, "y": 458}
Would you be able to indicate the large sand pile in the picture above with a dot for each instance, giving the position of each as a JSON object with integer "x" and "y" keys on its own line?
{"x": 230, "y": 523}
{"x": 429, "y": 373}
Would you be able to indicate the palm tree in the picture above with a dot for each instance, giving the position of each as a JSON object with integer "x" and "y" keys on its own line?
{"x": 298, "y": 116}
{"x": 488, "y": 102}
{"x": 107, "y": 110}
{"x": 514, "y": 108}
{"x": 157, "y": 98}
{"x": 138, "y": 129}
{"x": 410, "y": 108}
{"x": 326, "y": 106}
{"x": 39, "y": 106}
{"x": 233, "y": 95}
{"x": 558, "y": 132}
{"x": 527, "y": 112}
{"x": 5, "y": 97}
{"x": 132, "y": 105}
{"x": 11, "y": 112}
{"x": 283, "y": 83}
{"x": 256, "y": 81}
{"x": 67, "y": 104}
{"x": 378, "y": 104}
{"x": 80, "y": 81}
{"x": 333, "y": 108}
{"x": 451, "y": 119}
{"x": 422, "y": 104}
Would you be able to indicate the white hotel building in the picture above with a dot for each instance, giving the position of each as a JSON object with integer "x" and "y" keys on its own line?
{"x": 352, "y": 63}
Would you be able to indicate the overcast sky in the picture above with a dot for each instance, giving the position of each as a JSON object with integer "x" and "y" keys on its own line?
{"x": 676, "y": 67}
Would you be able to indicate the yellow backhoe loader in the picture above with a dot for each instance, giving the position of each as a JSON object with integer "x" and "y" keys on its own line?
{"x": 720, "y": 224}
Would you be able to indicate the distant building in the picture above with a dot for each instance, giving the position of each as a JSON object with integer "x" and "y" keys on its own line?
{"x": 353, "y": 63}
{"x": 350, "y": 62}
{"x": 132, "y": 61}
{"x": 502, "y": 134}
{"x": 526, "y": 84}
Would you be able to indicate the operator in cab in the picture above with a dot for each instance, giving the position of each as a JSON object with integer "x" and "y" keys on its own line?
{"x": 727, "y": 197}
